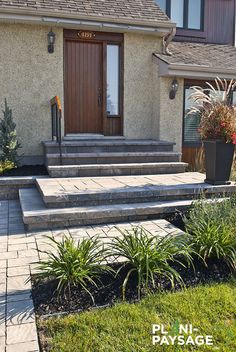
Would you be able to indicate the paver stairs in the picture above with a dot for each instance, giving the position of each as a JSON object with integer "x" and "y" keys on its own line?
{"x": 60, "y": 202}
{"x": 111, "y": 180}
{"x": 111, "y": 157}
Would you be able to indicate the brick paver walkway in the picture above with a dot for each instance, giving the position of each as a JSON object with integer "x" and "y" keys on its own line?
{"x": 18, "y": 260}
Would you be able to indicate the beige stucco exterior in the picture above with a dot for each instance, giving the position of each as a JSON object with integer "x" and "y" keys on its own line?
{"x": 148, "y": 110}
{"x": 30, "y": 77}
{"x": 171, "y": 113}
{"x": 140, "y": 85}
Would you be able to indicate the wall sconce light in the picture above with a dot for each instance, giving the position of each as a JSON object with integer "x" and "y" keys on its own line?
{"x": 51, "y": 41}
{"x": 173, "y": 89}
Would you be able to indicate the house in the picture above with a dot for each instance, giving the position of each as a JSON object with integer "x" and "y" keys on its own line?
{"x": 114, "y": 65}
{"x": 203, "y": 48}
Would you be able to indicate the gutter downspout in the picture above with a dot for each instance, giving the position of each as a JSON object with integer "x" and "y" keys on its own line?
{"x": 167, "y": 39}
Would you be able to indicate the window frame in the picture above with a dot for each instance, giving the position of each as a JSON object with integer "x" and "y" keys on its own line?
{"x": 186, "y": 14}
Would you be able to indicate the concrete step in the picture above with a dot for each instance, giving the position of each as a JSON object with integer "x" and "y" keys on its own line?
{"x": 37, "y": 216}
{"x": 116, "y": 169}
{"x": 108, "y": 145}
{"x": 63, "y": 192}
{"x": 111, "y": 158}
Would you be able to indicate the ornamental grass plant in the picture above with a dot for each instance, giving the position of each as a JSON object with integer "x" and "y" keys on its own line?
{"x": 211, "y": 227}
{"x": 218, "y": 115}
{"x": 74, "y": 263}
{"x": 150, "y": 256}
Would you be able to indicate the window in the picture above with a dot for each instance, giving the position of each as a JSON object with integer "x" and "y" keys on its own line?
{"x": 177, "y": 12}
{"x": 162, "y": 4}
{"x": 191, "y": 121}
{"x": 194, "y": 14}
{"x": 187, "y": 14}
{"x": 113, "y": 79}
{"x": 234, "y": 98}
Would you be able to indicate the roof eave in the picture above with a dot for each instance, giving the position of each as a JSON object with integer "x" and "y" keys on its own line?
{"x": 167, "y": 69}
{"x": 57, "y": 17}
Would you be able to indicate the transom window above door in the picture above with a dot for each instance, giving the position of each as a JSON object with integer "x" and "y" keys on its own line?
{"x": 187, "y": 14}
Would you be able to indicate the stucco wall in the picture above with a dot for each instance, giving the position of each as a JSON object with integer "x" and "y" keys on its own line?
{"x": 171, "y": 113}
{"x": 29, "y": 78}
{"x": 140, "y": 85}
{"x": 148, "y": 111}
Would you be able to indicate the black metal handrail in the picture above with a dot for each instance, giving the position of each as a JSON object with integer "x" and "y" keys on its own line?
{"x": 56, "y": 122}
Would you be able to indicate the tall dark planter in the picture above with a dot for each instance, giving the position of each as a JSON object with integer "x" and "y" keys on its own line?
{"x": 219, "y": 159}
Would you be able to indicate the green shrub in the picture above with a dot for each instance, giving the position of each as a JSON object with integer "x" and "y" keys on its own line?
{"x": 149, "y": 256}
{"x": 74, "y": 264}
{"x": 211, "y": 227}
{"x": 9, "y": 144}
{"x": 6, "y": 166}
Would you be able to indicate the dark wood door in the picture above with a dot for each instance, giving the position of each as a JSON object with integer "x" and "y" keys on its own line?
{"x": 83, "y": 87}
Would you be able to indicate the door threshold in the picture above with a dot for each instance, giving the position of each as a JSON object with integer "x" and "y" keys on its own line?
{"x": 86, "y": 136}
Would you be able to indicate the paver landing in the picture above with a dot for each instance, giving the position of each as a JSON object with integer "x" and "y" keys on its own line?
{"x": 19, "y": 254}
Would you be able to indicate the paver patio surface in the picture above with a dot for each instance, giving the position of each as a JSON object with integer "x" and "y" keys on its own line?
{"x": 18, "y": 260}
{"x": 75, "y": 185}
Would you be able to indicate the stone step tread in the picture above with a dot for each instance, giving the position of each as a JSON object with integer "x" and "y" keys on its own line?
{"x": 120, "y": 166}
{"x": 112, "y": 155}
{"x": 130, "y": 142}
{"x": 98, "y": 170}
{"x": 35, "y": 213}
{"x": 79, "y": 191}
{"x": 34, "y": 209}
{"x": 129, "y": 184}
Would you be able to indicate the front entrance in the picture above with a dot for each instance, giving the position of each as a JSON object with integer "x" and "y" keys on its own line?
{"x": 93, "y": 82}
{"x": 84, "y": 87}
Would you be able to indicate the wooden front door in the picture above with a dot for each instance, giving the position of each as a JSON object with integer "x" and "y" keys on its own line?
{"x": 83, "y": 87}
{"x": 93, "y": 82}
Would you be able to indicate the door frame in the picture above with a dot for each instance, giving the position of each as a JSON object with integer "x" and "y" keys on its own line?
{"x": 111, "y": 125}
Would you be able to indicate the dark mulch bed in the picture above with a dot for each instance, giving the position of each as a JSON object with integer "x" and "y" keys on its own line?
{"x": 46, "y": 300}
{"x": 176, "y": 219}
{"x": 27, "y": 170}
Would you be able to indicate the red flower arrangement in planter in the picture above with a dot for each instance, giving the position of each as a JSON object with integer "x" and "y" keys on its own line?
{"x": 217, "y": 128}
{"x": 219, "y": 122}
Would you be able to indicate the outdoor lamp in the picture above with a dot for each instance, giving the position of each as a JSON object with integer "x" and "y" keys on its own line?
{"x": 51, "y": 41}
{"x": 173, "y": 89}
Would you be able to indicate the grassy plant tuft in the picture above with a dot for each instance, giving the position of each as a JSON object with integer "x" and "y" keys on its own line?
{"x": 150, "y": 256}
{"x": 212, "y": 230}
{"x": 74, "y": 264}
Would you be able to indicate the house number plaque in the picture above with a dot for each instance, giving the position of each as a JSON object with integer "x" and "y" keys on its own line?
{"x": 86, "y": 35}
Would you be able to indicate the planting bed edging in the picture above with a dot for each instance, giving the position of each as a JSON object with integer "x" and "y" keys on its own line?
{"x": 9, "y": 186}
